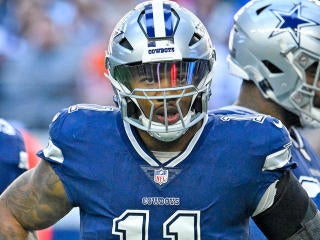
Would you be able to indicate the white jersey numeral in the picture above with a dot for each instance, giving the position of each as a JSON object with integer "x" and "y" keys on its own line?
{"x": 183, "y": 225}
{"x": 134, "y": 224}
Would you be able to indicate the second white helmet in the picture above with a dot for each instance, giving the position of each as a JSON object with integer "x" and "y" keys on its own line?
{"x": 275, "y": 43}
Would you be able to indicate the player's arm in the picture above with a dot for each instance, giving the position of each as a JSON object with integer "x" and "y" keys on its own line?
{"x": 292, "y": 214}
{"x": 34, "y": 201}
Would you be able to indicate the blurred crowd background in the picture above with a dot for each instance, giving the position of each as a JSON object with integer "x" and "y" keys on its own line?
{"x": 52, "y": 56}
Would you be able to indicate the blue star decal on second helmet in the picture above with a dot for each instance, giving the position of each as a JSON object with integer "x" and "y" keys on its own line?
{"x": 291, "y": 22}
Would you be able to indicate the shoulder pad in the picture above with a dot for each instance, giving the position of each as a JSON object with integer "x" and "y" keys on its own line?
{"x": 73, "y": 126}
{"x": 263, "y": 135}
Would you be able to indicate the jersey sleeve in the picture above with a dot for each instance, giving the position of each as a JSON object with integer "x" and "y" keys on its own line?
{"x": 61, "y": 136}
{"x": 63, "y": 148}
{"x": 275, "y": 145}
{"x": 74, "y": 135}
{"x": 277, "y": 138}
{"x": 260, "y": 144}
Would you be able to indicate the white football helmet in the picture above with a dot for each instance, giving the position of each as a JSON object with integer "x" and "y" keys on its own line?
{"x": 274, "y": 43}
{"x": 160, "y": 40}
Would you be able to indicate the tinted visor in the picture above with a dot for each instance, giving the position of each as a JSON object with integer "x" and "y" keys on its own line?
{"x": 162, "y": 74}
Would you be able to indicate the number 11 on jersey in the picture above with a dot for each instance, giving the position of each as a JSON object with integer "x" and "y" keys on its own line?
{"x": 134, "y": 225}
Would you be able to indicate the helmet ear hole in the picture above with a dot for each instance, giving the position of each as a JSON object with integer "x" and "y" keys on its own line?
{"x": 195, "y": 38}
{"x": 271, "y": 67}
{"x": 260, "y": 10}
{"x": 125, "y": 43}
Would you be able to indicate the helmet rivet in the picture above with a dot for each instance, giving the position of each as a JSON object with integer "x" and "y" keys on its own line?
{"x": 303, "y": 60}
{"x": 298, "y": 98}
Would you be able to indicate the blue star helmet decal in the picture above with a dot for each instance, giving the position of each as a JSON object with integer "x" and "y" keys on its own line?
{"x": 291, "y": 22}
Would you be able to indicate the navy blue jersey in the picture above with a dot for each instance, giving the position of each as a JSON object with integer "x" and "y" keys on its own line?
{"x": 308, "y": 162}
{"x": 13, "y": 156}
{"x": 208, "y": 191}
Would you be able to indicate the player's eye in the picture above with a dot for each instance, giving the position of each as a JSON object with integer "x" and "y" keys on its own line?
{"x": 146, "y": 80}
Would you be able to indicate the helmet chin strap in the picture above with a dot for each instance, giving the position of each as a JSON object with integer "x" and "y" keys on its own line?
{"x": 174, "y": 131}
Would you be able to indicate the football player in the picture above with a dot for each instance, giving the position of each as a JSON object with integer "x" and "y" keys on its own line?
{"x": 13, "y": 155}
{"x": 274, "y": 47}
{"x": 160, "y": 167}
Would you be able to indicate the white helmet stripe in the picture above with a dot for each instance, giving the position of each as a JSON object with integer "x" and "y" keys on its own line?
{"x": 158, "y": 20}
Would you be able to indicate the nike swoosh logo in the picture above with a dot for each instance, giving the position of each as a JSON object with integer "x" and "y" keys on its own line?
{"x": 278, "y": 124}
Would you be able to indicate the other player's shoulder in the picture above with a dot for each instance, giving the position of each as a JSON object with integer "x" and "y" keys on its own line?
{"x": 8, "y": 130}
{"x": 12, "y": 147}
